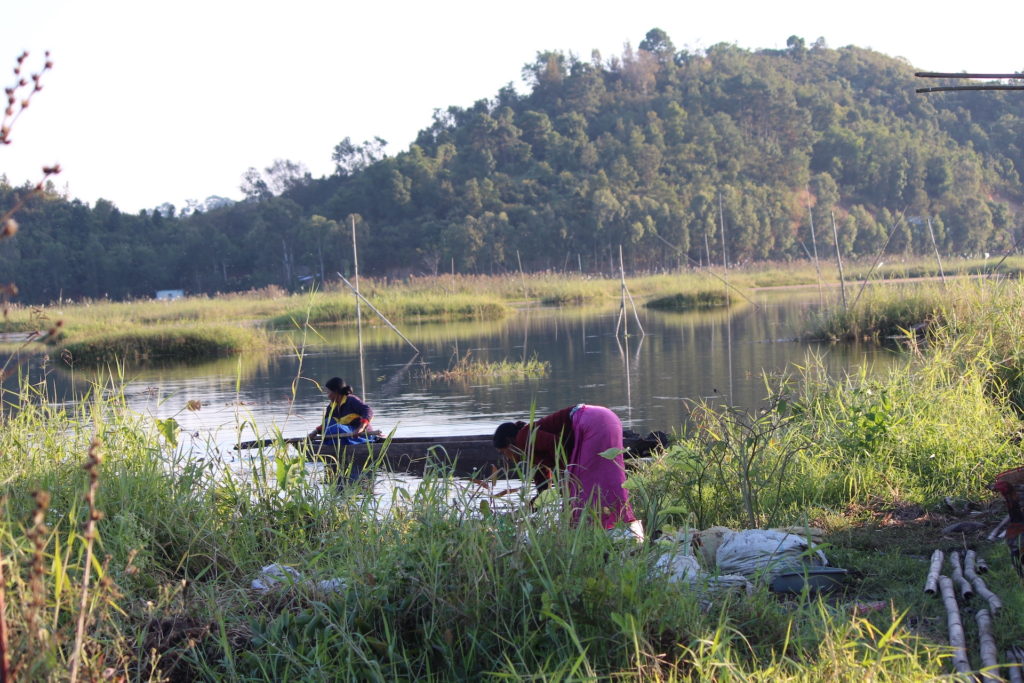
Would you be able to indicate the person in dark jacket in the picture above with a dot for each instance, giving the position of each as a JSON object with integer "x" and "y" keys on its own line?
{"x": 346, "y": 416}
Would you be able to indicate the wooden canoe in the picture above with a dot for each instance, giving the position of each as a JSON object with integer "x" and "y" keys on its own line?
{"x": 461, "y": 456}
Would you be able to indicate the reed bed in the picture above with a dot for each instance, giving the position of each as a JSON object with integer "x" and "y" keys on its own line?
{"x": 473, "y": 368}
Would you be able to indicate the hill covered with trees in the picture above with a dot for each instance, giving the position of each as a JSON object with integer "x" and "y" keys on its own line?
{"x": 656, "y": 150}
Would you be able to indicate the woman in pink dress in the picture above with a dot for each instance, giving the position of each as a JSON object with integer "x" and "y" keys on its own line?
{"x": 584, "y": 442}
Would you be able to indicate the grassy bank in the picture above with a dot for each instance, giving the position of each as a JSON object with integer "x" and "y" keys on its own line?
{"x": 449, "y": 584}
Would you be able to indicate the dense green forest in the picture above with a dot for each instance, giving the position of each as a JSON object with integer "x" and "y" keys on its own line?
{"x": 656, "y": 150}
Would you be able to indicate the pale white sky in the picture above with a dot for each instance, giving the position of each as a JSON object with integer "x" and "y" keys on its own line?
{"x": 154, "y": 101}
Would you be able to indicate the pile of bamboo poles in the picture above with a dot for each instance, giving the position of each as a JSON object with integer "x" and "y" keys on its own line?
{"x": 964, "y": 579}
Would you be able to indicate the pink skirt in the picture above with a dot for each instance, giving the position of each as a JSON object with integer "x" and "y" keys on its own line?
{"x": 594, "y": 480}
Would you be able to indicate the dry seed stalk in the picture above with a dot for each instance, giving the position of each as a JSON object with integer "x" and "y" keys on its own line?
{"x": 20, "y": 94}
{"x": 92, "y": 466}
{"x": 37, "y": 534}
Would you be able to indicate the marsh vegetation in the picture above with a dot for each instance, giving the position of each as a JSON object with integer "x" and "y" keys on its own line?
{"x": 445, "y": 582}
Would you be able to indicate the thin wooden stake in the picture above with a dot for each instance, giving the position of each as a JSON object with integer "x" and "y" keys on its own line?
{"x": 938, "y": 259}
{"x": 359, "y": 310}
{"x": 814, "y": 245}
{"x": 622, "y": 301}
{"x": 839, "y": 261}
{"x": 627, "y": 295}
{"x": 878, "y": 259}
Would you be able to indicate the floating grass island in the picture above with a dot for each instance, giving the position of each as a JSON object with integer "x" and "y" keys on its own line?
{"x": 189, "y": 344}
{"x": 504, "y": 369}
{"x": 688, "y": 301}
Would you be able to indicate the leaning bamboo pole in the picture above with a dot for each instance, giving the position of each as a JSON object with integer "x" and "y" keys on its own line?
{"x": 814, "y": 245}
{"x": 987, "y": 647}
{"x": 359, "y": 310}
{"x": 931, "y": 584}
{"x": 938, "y": 259}
{"x": 379, "y": 314}
{"x": 839, "y": 262}
{"x": 953, "y": 623}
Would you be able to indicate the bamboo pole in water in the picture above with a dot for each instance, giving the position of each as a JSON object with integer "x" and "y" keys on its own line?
{"x": 954, "y": 625}
{"x": 359, "y": 309}
{"x": 379, "y": 314}
{"x": 878, "y": 259}
{"x": 623, "y": 321}
{"x": 938, "y": 259}
{"x": 839, "y": 261}
{"x": 626, "y": 295}
{"x": 814, "y": 245}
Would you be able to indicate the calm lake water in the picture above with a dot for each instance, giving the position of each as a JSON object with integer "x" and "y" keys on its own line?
{"x": 646, "y": 378}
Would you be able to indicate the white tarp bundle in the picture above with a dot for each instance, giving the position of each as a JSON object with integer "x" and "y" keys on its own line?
{"x": 756, "y": 551}
{"x": 279, "y": 575}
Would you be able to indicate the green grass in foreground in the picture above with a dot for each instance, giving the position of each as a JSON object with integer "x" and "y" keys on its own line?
{"x": 446, "y": 585}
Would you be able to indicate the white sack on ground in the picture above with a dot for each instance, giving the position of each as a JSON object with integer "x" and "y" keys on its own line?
{"x": 755, "y": 550}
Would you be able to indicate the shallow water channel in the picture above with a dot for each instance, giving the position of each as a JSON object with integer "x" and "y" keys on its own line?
{"x": 646, "y": 378}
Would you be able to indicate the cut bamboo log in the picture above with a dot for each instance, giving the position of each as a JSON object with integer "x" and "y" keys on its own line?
{"x": 931, "y": 584}
{"x": 970, "y": 573}
{"x": 956, "y": 628}
{"x": 1015, "y": 664}
{"x": 980, "y": 565}
{"x": 987, "y": 647}
{"x": 962, "y": 584}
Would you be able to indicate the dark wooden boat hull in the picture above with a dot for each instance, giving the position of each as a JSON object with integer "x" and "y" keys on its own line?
{"x": 461, "y": 456}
